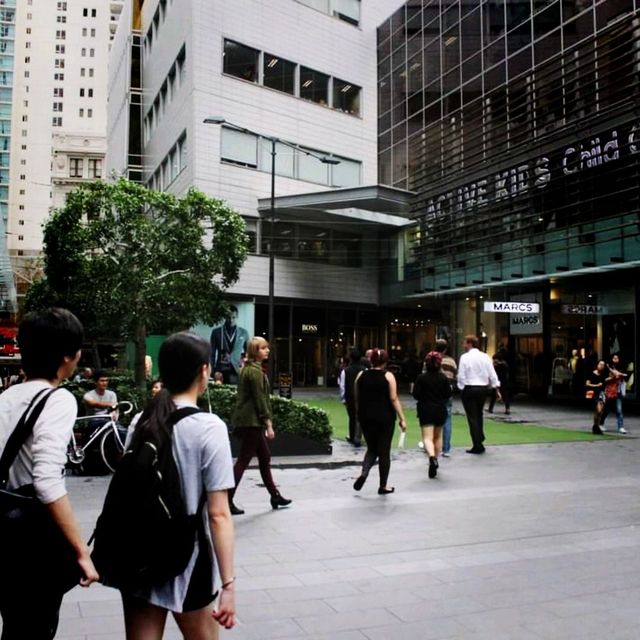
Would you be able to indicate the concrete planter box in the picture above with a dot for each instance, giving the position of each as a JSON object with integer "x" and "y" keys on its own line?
{"x": 286, "y": 444}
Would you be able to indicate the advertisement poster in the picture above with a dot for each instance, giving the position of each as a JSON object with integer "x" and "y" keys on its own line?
{"x": 229, "y": 340}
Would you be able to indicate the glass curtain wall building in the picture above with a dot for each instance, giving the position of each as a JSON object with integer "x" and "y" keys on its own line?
{"x": 7, "y": 47}
{"x": 517, "y": 125}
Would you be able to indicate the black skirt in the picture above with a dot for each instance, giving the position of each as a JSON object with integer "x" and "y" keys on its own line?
{"x": 432, "y": 414}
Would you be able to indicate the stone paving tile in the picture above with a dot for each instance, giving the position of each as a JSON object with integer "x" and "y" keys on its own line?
{"x": 365, "y": 601}
{"x": 346, "y": 575}
{"x": 427, "y": 609}
{"x": 434, "y": 629}
{"x": 504, "y": 619}
{"x": 313, "y": 592}
{"x": 294, "y": 609}
{"x": 340, "y": 635}
{"x": 345, "y": 621}
{"x": 264, "y": 630}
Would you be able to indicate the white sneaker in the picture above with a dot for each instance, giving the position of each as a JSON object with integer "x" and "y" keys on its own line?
{"x": 622, "y": 430}
{"x": 602, "y": 428}
{"x": 420, "y": 444}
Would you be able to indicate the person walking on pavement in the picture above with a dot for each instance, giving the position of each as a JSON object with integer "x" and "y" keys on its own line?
{"x": 613, "y": 391}
{"x": 501, "y": 365}
{"x": 450, "y": 369}
{"x": 346, "y": 383}
{"x": 432, "y": 390}
{"x": 200, "y": 446}
{"x": 252, "y": 421}
{"x": 475, "y": 375}
{"x": 377, "y": 405}
{"x": 30, "y": 589}
{"x": 595, "y": 384}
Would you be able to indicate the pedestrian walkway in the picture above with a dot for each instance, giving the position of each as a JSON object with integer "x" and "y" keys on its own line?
{"x": 531, "y": 542}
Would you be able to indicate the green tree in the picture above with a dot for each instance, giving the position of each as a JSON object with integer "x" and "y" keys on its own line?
{"x": 129, "y": 261}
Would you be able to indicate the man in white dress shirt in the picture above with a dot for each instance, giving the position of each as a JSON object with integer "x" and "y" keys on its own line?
{"x": 475, "y": 376}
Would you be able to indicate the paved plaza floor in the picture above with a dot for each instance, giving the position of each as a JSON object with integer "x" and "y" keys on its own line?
{"x": 531, "y": 542}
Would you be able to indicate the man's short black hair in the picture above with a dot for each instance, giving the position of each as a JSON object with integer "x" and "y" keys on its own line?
{"x": 45, "y": 338}
{"x": 441, "y": 345}
{"x": 100, "y": 373}
{"x": 355, "y": 356}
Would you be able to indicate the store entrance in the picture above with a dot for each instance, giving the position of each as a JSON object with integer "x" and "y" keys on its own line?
{"x": 308, "y": 361}
{"x": 528, "y": 366}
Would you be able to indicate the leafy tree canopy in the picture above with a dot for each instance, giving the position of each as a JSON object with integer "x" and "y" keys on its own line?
{"x": 129, "y": 261}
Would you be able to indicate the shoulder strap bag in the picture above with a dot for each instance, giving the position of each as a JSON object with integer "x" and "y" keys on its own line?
{"x": 32, "y": 545}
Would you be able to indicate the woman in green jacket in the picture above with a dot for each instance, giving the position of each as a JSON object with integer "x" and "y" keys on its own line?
{"x": 252, "y": 422}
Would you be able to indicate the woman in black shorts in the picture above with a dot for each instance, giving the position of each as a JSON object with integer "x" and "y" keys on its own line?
{"x": 377, "y": 404}
{"x": 432, "y": 390}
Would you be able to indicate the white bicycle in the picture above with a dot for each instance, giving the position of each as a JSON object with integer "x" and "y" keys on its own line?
{"x": 104, "y": 438}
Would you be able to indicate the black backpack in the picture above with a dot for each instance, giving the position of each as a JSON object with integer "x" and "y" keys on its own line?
{"x": 144, "y": 537}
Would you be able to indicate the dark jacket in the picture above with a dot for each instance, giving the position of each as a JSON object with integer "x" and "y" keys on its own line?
{"x": 253, "y": 400}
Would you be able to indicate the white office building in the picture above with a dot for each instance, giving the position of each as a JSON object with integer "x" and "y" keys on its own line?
{"x": 53, "y": 108}
{"x": 302, "y": 71}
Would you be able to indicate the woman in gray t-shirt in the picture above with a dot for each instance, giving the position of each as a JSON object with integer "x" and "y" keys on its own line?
{"x": 203, "y": 456}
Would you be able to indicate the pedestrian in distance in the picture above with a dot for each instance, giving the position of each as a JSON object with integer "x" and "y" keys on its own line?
{"x": 614, "y": 391}
{"x": 200, "y": 448}
{"x": 253, "y": 423}
{"x": 501, "y": 365}
{"x": 475, "y": 376}
{"x": 432, "y": 390}
{"x": 30, "y": 589}
{"x": 450, "y": 369}
{"x": 595, "y": 384}
{"x": 346, "y": 384}
{"x": 377, "y": 405}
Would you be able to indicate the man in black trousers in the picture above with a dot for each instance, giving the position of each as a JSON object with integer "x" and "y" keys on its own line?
{"x": 476, "y": 376}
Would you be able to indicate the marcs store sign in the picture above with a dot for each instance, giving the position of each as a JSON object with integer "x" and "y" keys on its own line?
{"x": 511, "y": 307}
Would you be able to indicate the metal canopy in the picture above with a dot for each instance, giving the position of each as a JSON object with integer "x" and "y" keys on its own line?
{"x": 376, "y": 205}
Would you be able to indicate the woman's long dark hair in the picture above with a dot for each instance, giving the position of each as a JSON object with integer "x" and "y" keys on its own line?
{"x": 180, "y": 361}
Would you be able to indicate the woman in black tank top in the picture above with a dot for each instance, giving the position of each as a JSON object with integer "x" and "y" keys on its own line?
{"x": 377, "y": 405}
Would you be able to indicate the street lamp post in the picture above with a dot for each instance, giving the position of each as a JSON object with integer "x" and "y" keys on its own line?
{"x": 272, "y": 214}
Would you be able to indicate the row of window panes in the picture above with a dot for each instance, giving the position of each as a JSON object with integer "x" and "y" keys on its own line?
{"x": 171, "y": 166}
{"x": 158, "y": 20}
{"x": 94, "y": 167}
{"x": 289, "y": 77}
{"x": 81, "y": 112}
{"x": 83, "y": 52}
{"x": 314, "y": 244}
{"x": 248, "y": 150}
{"x": 85, "y": 12}
{"x": 347, "y": 10}
{"x": 173, "y": 81}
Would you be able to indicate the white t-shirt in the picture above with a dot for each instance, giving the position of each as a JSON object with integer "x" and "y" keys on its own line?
{"x": 42, "y": 459}
{"x": 476, "y": 369}
{"x": 203, "y": 455}
{"x": 108, "y": 396}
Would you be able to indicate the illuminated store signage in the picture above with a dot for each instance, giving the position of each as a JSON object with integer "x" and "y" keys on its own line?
{"x": 309, "y": 328}
{"x": 537, "y": 173}
{"x": 584, "y": 309}
{"x": 511, "y": 307}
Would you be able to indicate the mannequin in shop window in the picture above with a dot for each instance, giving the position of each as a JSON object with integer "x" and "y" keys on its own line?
{"x": 228, "y": 344}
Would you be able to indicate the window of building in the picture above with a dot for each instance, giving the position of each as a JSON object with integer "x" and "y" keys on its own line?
{"x": 93, "y": 13}
{"x": 239, "y": 147}
{"x": 314, "y": 86}
{"x": 83, "y": 52}
{"x": 347, "y": 10}
{"x": 25, "y": 118}
{"x": 311, "y": 169}
{"x": 85, "y": 12}
{"x": 89, "y": 93}
{"x": 285, "y": 158}
{"x": 93, "y": 33}
{"x": 57, "y": 106}
{"x": 27, "y": 59}
{"x": 84, "y": 31}
{"x": 60, "y": 49}
{"x": 92, "y": 52}
{"x": 27, "y": 74}
{"x": 61, "y": 35}
{"x": 21, "y": 222}
{"x": 27, "y": 45}
{"x": 58, "y": 76}
{"x": 89, "y": 113}
{"x": 182, "y": 150}
{"x": 81, "y": 92}
{"x": 62, "y": 6}
{"x": 59, "y": 63}
{"x": 91, "y": 72}
{"x": 95, "y": 168}
{"x": 58, "y": 92}
{"x": 61, "y": 19}
{"x": 279, "y": 74}
{"x": 56, "y": 121}
{"x": 346, "y": 97}
{"x": 240, "y": 61}
{"x": 76, "y": 167}
{"x": 81, "y": 112}
{"x": 82, "y": 72}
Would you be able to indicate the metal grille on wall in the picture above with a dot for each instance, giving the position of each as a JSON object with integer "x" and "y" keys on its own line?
{"x": 518, "y": 125}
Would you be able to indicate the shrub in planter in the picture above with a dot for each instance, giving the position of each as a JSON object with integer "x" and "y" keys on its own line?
{"x": 289, "y": 416}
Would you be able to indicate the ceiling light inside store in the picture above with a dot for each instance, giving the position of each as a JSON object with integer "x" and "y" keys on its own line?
{"x": 450, "y": 40}
{"x": 346, "y": 88}
{"x": 273, "y": 62}
{"x": 307, "y": 83}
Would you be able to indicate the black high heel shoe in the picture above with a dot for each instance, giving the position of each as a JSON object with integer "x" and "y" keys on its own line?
{"x": 279, "y": 501}
{"x": 235, "y": 511}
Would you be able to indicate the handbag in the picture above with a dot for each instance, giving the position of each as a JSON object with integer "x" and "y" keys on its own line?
{"x": 32, "y": 545}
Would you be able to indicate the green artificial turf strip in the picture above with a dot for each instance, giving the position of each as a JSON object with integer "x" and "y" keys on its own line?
{"x": 495, "y": 432}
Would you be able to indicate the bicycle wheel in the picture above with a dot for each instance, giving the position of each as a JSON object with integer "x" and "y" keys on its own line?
{"x": 111, "y": 450}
